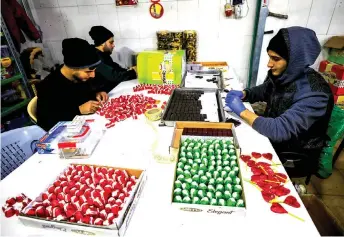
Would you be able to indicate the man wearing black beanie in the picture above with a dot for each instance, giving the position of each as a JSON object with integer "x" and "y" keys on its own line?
{"x": 66, "y": 92}
{"x": 299, "y": 101}
{"x": 108, "y": 74}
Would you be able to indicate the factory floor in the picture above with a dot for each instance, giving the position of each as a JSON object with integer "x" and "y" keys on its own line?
{"x": 330, "y": 193}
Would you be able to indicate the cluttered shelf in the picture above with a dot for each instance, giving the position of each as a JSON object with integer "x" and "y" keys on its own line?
{"x": 8, "y": 110}
{"x": 11, "y": 79}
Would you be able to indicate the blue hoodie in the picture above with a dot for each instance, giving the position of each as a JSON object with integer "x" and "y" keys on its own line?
{"x": 299, "y": 102}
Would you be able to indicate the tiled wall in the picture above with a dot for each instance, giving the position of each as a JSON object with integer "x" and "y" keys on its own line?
{"x": 219, "y": 38}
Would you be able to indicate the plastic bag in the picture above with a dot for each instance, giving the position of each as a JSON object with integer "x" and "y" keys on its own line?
{"x": 335, "y": 131}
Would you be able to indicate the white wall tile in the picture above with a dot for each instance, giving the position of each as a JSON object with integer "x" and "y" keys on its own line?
{"x": 298, "y": 12}
{"x": 320, "y": 15}
{"x": 86, "y": 2}
{"x": 67, "y": 3}
{"x": 128, "y": 23}
{"x": 79, "y": 20}
{"x": 51, "y": 23}
{"x": 43, "y": 3}
{"x": 188, "y": 15}
{"x": 337, "y": 23}
{"x": 105, "y": 1}
{"x": 108, "y": 18}
{"x": 148, "y": 44}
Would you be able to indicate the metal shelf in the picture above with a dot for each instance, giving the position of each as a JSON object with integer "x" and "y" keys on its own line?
{"x": 11, "y": 79}
{"x": 8, "y": 110}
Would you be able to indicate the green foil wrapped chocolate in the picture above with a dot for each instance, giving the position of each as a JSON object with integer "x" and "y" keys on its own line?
{"x": 181, "y": 178}
{"x": 205, "y": 201}
{"x": 236, "y": 195}
{"x": 210, "y": 195}
{"x": 193, "y": 171}
{"x": 179, "y": 171}
{"x": 186, "y": 199}
{"x": 177, "y": 184}
{"x": 220, "y": 188}
{"x": 198, "y": 161}
{"x": 194, "y": 185}
{"x": 212, "y": 181}
{"x": 190, "y": 161}
{"x": 177, "y": 192}
{"x": 195, "y": 178}
{"x": 196, "y": 200}
{"x": 237, "y": 188}
{"x": 231, "y": 202}
{"x": 227, "y": 169}
{"x": 186, "y": 186}
{"x": 216, "y": 174}
{"x": 182, "y": 154}
{"x": 228, "y": 180}
{"x": 203, "y": 179}
{"x": 236, "y": 180}
{"x": 177, "y": 199}
{"x": 211, "y": 188}
{"x": 218, "y": 195}
{"x": 240, "y": 203}
{"x": 187, "y": 167}
{"x": 201, "y": 172}
{"x": 202, "y": 186}
{"x": 219, "y": 180}
{"x": 211, "y": 169}
{"x": 229, "y": 187}
{"x": 227, "y": 195}
{"x": 211, "y": 152}
{"x": 222, "y": 202}
{"x": 193, "y": 192}
{"x": 185, "y": 193}
{"x": 183, "y": 160}
{"x": 188, "y": 180}
{"x": 187, "y": 174}
{"x": 201, "y": 193}
{"x": 180, "y": 165}
{"x": 189, "y": 155}
{"x": 213, "y": 202}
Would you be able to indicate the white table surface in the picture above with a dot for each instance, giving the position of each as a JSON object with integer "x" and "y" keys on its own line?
{"x": 128, "y": 144}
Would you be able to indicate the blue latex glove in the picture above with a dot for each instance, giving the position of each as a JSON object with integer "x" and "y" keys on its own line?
{"x": 235, "y": 104}
{"x": 231, "y": 93}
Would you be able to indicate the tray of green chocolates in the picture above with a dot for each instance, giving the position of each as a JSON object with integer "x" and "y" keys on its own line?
{"x": 207, "y": 173}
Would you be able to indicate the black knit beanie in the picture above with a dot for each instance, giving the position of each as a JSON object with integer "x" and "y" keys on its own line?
{"x": 100, "y": 34}
{"x": 78, "y": 54}
{"x": 278, "y": 45}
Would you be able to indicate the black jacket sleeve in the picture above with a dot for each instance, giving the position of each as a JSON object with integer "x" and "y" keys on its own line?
{"x": 115, "y": 73}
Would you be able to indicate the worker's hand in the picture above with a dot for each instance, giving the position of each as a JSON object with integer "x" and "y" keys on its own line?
{"x": 240, "y": 94}
{"x": 235, "y": 104}
{"x": 102, "y": 97}
{"x": 89, "y": 107}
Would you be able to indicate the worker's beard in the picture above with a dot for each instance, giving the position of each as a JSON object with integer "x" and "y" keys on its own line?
{"x": 107, "y": 49}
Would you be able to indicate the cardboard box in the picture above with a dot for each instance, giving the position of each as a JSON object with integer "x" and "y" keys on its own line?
{"x": 161, "y": 67}
{"x": 178, "y": 137}
{"x": 334, "y": 75}
{"x": 118, "y": 228}
{"x": 339, "y": 100}
{"x": 336, "y": 49}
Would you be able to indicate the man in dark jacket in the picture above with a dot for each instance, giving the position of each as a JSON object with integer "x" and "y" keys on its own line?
{"x": 66, "y": 92}
{"x": 108, "y": 74}
{"x": 299, "y": 101}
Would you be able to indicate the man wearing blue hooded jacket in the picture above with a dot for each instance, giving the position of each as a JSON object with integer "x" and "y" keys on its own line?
{"x": 299, "y": 101}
